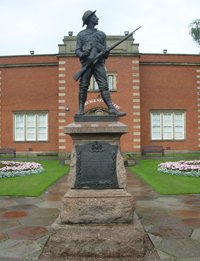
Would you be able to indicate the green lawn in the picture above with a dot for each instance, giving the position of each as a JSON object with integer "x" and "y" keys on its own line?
{"x": 34, "y": 185}
{"x": 164, "y": 183}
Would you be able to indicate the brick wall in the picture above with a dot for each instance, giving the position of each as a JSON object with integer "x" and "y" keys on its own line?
{"x": 29, "y": 84}
{"x": 170, "y": 83}
{"x": 145, "y": 82}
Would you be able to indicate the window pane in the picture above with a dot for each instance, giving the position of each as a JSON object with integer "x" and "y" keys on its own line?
{"x": 156, "y": 126}
{"x": 19, "y": 127}
{"x": 110, "y": 82}
{"x": 42, "y": 127}
{"x": 31, "y": 127}
{"x": 179, "y": 126}
{"x": 167, "y": 126}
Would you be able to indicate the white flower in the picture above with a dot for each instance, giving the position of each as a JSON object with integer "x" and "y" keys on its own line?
{"x": 186, "y": 168}
{"x": 16, "y": 168}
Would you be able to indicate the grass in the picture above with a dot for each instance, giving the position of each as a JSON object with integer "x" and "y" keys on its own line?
{"x": 164, "y": 183}
{"x": 34, "y": 185}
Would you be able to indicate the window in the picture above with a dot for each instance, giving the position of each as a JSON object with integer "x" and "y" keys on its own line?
{"x": 31, "y": 126}
{"x": 111, "y": 77}
{"x": 168, "y": 125}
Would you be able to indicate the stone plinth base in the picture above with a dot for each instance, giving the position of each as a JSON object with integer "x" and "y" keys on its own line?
{"x": 105, "y": 241}
{"x": 108, "y": 206}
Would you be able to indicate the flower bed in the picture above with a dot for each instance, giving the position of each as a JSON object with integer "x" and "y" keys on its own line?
{"x": 184, "y": 168}
{"x": 15, "y": 168}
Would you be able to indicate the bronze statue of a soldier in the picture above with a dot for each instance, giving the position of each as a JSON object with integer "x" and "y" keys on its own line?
{"x": 91, "y": 42}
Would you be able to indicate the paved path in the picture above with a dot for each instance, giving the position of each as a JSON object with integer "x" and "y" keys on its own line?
{"x": 172, "y": 222}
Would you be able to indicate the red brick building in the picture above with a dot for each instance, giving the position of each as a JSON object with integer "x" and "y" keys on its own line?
{"x": 159, "y": 92}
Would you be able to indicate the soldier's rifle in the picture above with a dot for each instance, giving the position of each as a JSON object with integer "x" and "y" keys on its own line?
{"x": 77, "y": 75}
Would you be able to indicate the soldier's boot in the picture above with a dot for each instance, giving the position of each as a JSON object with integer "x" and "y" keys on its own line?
{"x": 111, "y": 109}
{"x": 82, "y": 100}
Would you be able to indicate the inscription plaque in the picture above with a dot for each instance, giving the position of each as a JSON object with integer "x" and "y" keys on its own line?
{"x": 96, "y": 165}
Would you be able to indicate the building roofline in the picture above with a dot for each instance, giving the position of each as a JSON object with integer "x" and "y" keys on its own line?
{"x": 26, "y": 55}
{"x": 168, "y": 54}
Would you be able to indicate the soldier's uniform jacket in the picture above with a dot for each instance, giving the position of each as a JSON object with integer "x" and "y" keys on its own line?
{"x": 93, "y": 41}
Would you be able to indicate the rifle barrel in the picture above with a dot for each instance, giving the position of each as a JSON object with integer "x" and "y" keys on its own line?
{"x": 123, "y": 39}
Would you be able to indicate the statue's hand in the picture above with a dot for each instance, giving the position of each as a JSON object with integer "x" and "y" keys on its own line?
{"x": 85, "y": 54}
{"x": 105, "y": 53}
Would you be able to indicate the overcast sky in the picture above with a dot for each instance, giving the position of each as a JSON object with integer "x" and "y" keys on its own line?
{"x": 40, "y": 25}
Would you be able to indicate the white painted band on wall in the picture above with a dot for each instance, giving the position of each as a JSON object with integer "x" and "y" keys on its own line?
{"x": 136, "y": 113}
{"x": 136, "y": 133}
{"x": 136, "y": 140}
{"x": 61, "y": 120}
{"x": 135, "y": 75}
{"x": 62, "y": 147}
{"x": 135, "y": 61}
{"x": 136, "y": 146}
{"x": 61, "y": 69}
{"x": 136, "y": 80}
{"x": 136, "y": 87}
{"x": 61, "y": 108}
{"x": 62, "y": 62}
{"x": 61, "y": 88}
{"x": 61, "y": 81}
{"x": 61, "y": 140}
{"x": 60, "y": 75}
{"x": 136, "y": 100}
{"x": 61, "y": 114}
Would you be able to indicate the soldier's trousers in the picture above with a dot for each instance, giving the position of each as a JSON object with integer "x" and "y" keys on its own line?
{"x": 99, "y": 72}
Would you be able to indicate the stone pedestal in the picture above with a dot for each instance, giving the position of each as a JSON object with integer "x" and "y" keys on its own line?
{"x": 96, "y": 240}
{"x": 97, "y": 213}
{"x": 97, "y": 207}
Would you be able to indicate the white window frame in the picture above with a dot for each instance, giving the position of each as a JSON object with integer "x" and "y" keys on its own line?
{"x": 32, "y": 127}
{"x": 169, "y": 125}
{"x": 112, "y": 83}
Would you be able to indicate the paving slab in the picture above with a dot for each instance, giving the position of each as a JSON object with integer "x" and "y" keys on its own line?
{"x": 37, "y": 221}
{"x": 155, "y": 239}
{"x": 27, "y": 232}
{"x": 196, "y": 234}
{"x": 18, "y": 248}
{"x": 13, "y": 215}
{"x": 23, "y": 207}
{"x": 148, "y": 218}
{"x": 191, "y": 222}
{"x": 180, "y": 247}
{"x": 189, "y": 259}
{"x": 46, "y": 212}
{"x": 171, "y": 231}
{"x": 3, "y": 236}
{"x": 7, "y": 224}
{"x": 8, "y": 202}
{"x": 189, "y": 213}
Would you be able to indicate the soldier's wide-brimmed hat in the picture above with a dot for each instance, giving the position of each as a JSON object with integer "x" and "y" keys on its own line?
{"x": 86, "y": 15}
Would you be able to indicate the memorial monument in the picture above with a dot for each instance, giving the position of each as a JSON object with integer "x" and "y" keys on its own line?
{"x": 97, "y": 214}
